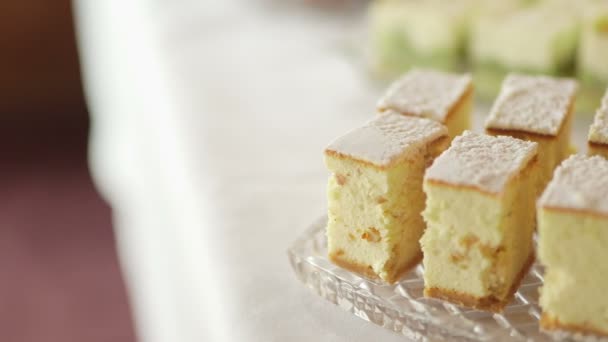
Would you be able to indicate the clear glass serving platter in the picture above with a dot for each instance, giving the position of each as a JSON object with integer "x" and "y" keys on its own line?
{"x": 402, "y": 307}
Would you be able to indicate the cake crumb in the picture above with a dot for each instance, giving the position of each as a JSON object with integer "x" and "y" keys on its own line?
{"x": 371, "y": 235}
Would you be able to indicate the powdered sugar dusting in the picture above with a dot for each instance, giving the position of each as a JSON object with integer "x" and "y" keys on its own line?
{"x": 598, "y": 133}
{"x": 388, "y": 137}
{"x": 580, "y": 182}
{"x": 537, "y": 104}
{"x": 482, "y": 161}
{"x": 425, "y": 93}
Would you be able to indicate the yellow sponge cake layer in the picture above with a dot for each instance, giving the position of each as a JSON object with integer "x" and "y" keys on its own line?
{"x": 598, "y": 132}
{"x": 480, "y": 219}
{"x": 375, "y": 194}
{"x": 539, "y": 109}
{"x": 573, "y": 246}
{"x": 441, "y": 96}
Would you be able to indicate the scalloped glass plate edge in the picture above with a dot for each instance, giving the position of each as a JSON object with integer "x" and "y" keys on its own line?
{"x": 402, "y": 308}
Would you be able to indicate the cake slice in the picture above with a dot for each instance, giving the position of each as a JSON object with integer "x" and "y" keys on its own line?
{"x": 573, "y": 247}
{"x": 540, "y": 109}
{"x": 480, "y": 218}
{"x": 428, "y": 33}
{"x": 441, "y": 96}
{"x": 536, "y": 39}
{"x": 375, "y": 193}
{"x": 598, "y": 132}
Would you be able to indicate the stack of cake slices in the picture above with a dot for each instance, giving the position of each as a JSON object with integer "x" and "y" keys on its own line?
{"x": 415, "y": 183}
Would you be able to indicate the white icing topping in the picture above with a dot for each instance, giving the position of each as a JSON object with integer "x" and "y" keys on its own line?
{"x": 426, "y": 93}
{"x": 388, "y": 137}
{"x": 580, "y": 182}
{"x": 482, "y": 161}
{"x": 598, "y": 132}
{"x": 537, "y": 104}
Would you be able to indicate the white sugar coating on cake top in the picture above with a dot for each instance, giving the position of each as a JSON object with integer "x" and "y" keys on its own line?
{"x": 536, "y": 104}
{"x": 580, "y": 182}
{"x": 481, "y": 161}
{"x": 425, "y": 93}
{"x": 598, "y": 132}
{"x": 387, "y": 137}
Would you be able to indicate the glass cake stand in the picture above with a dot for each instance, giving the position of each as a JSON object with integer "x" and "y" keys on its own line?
{"x": 402, "y": 307}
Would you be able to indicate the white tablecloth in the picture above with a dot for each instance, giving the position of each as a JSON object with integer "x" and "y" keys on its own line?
{"x": 209, "y": 120}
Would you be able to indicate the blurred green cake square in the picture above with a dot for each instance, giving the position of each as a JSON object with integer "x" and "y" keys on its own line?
{"x": 426, "y": 33}
{"x": 540, "y": 39}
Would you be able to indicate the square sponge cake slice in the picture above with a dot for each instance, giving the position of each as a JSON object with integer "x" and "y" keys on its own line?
{"x": 480, "y": 219}
{"x": 540, "y": 109}
{"x": 598, "y": 132}
{"x": 516, "y": 41}
{"x": 441, "y": 96}
{"x": 375, "y": 193}
{"x": 573, "y": 246}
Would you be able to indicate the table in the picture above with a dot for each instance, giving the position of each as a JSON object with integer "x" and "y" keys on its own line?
{"x": 209, "y": 121}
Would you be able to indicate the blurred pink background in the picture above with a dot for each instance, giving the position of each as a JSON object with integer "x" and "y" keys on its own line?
{"x": 60, "y": 276}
